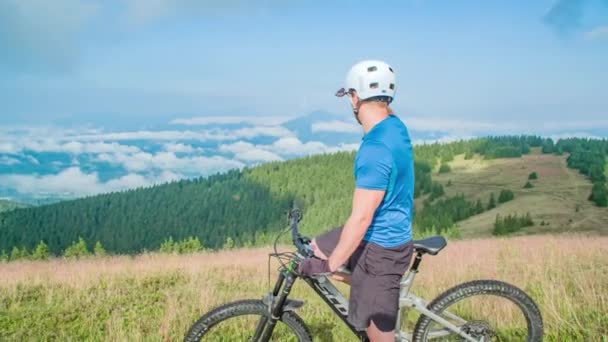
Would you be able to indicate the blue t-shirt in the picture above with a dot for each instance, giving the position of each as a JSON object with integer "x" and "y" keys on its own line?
{"x": 385, "y": 161}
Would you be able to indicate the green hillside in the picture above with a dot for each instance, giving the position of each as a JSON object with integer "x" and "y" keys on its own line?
{"x": 453, "y": 184}
{"x": 10, "y": 205}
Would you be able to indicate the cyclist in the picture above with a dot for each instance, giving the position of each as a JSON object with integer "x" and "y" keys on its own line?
{"x": 375, "y": 243}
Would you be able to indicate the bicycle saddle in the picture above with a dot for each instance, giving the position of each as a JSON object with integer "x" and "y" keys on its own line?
{"x": 431, "y": 245}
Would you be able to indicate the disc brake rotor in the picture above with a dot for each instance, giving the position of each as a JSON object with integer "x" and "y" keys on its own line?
{"x": 480, "y": 330}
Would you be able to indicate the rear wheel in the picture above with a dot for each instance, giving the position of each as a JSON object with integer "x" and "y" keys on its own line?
{"x": 488, "y": 310}
{"x": 238, "y": 322}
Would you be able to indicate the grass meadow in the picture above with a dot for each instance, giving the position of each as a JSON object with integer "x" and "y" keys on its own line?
{"x": 559, "y": 197}
{"x": 156, "y": 297}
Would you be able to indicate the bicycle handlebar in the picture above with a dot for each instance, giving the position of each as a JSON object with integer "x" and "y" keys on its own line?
{"x": 301, "y": 243}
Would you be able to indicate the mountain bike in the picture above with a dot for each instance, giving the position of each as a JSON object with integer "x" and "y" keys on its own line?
{"x": 458, "y": 314}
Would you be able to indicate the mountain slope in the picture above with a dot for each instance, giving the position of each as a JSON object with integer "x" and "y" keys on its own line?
{"x": 558, "y": 198}
{"x": 248, "y": 206}
{"x": 6, "y": 205}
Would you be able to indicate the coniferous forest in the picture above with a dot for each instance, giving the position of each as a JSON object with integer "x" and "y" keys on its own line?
{"x": 247, "y": 207}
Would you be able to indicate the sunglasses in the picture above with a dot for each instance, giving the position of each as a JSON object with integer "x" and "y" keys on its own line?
{"x": 342, "y": 92}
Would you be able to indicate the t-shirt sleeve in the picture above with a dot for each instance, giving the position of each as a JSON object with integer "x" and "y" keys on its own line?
{"x": 373, "y": 167}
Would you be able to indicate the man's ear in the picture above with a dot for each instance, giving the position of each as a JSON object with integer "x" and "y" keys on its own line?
{"x": 354, "y": 100}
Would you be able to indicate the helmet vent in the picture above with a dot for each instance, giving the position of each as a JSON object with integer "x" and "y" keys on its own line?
{"x": 392, "y": 86}
{"x": 373, "y": 85}
{"x": 391, "y": 69}
{"x": 372, "y": 69}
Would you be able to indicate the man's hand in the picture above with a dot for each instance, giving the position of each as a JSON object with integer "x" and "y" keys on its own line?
{"x": 313, "y": 266}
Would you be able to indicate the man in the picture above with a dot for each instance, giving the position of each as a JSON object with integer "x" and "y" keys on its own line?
{"x": 376, "y": 241}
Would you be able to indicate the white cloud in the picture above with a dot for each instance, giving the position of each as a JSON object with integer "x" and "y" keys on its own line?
{"x": 269, "y": 131}
{"x": 449, "y": 125}
{"x": 76, "y": 147}
{"x": 443, "y": 139}
{"x": 336, "y": 126}
{"x": 204, "y": 135}
{"x": 567, "y": 135}
{"x": 343, "y": 147}
{"x": 597, "y": 33}
{"x": 181, "y": 148}
{"x": 8, "y": 147}
{"x": 254, "y": 120}
{"x": 37, "y": 144}
{"x": 74, "y": 182}
{"x": 467, "y": 128}
{"x": 293, "y": 146}
{"x": 6, "y": 160}
{"x": 168, "y": 161}
{"x": 156, "y": 135}
{"x": 248, "y": 152}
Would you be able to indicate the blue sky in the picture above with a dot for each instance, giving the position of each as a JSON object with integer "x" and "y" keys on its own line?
{"x": 104, "y": 95}
{"x": 459, "y": 59}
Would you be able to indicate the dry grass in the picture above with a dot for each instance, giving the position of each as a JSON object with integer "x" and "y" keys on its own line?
{"x": 559, "y": 196}
{"x": 156, "y": 297}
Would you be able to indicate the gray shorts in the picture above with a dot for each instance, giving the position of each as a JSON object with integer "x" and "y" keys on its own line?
{"x": 376, "y": 273}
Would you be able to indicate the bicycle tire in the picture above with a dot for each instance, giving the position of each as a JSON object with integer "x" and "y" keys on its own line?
{"x": 240, "y": 308}
{"x": 484, "y": 287}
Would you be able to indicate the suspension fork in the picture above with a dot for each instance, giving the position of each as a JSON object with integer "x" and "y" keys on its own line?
{"x": 282, "y": 288}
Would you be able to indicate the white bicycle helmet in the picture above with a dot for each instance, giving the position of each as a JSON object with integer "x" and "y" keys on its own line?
{"x": 370, "y": 79}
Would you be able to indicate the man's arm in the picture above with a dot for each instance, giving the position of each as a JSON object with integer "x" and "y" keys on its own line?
{"x": 365, "y": 203}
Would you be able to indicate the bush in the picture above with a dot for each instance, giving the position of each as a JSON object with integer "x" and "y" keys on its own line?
{"x": 19, "y": 253}
{"x": 436, "y": 191}
{"x": 505, "y": 196}
{"x": 478, "y": 207}
{"x": 41, "y": 252}
{"x": 77, "y": 250}
{"x": 491, "y": 202}
{"x": 98, "y": 250}
{"x": 599, "y": 194}
{"x": 511, "y": 223}
{"x": 190, "y": 245}
{"x": 229, "y": 244}
{"x": 528, "y": 185}
{"x": 533, "y": 176}
{"x": 444, "y": 168}
{"x": 167, "y": 246}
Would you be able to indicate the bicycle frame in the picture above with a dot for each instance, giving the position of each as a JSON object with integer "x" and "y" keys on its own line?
{"x": 339, "y": 305}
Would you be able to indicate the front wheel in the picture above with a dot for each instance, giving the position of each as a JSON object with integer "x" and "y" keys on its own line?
{"x": 238, "y": 321}
{"x": 487, "y": 310}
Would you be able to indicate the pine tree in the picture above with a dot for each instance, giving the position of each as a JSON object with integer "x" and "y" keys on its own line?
{"x": 77, "y": 249}
{"x": 528, "y": 185}
{"x": 19, "y": 253}
{"x": 98, "y": 250}
{"x": 41, "y": 252}
{"x": 492, "y": 202}
{"x": 168, "y": 246}
{"x": 444, "y": 168}
{"x": 478, "y": 207}
{"x": 229, "y": 244}
{"x": 599, "y": 194}
{"x": 3, "y": 256}
{"x": 505, "y": 196}
{"x": 189, "y": 245}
